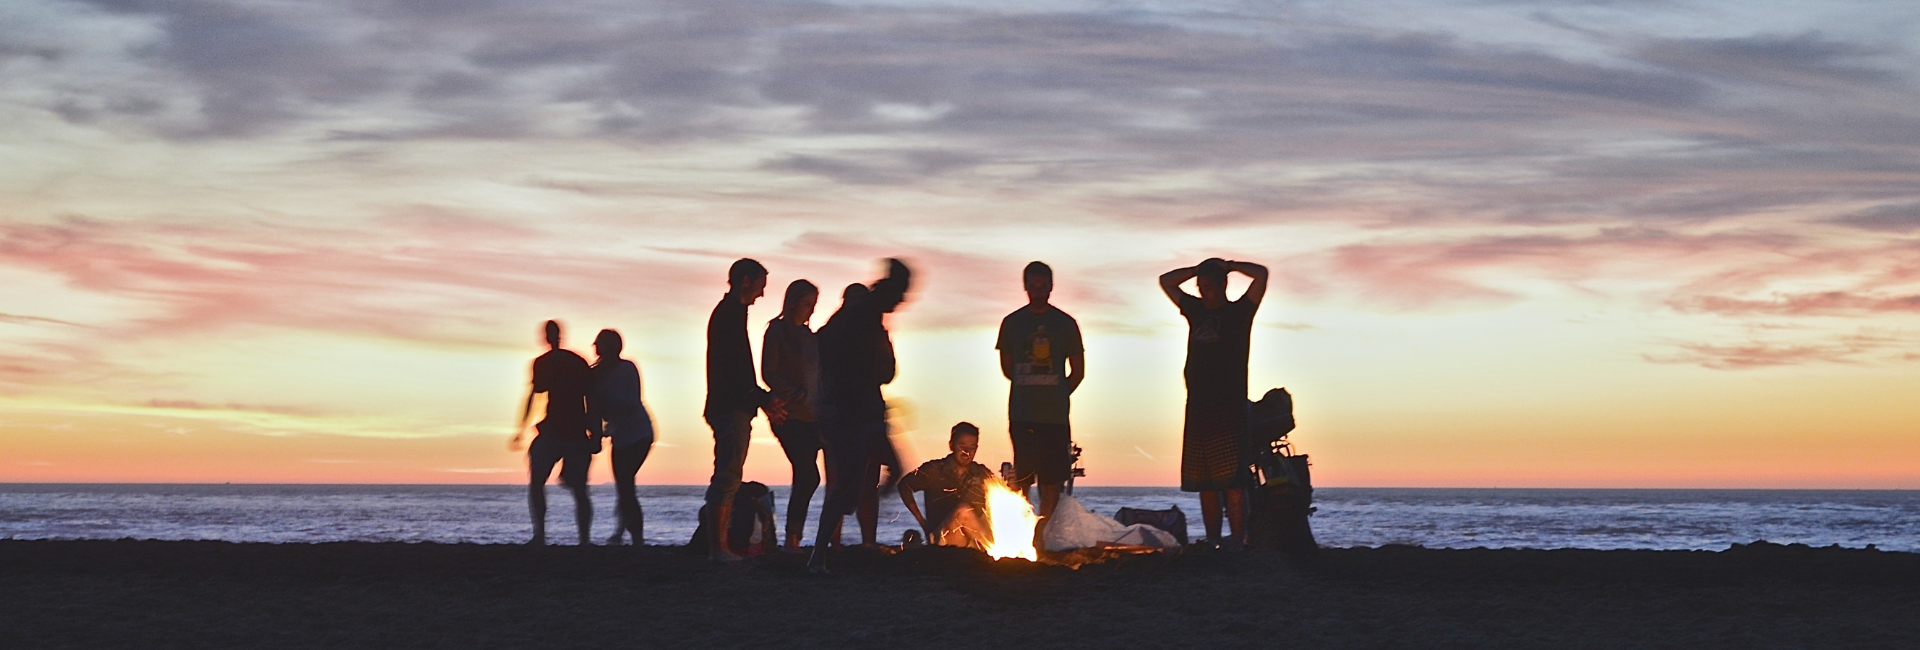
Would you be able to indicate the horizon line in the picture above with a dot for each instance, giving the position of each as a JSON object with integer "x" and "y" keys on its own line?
{"x": 4, "y": 484}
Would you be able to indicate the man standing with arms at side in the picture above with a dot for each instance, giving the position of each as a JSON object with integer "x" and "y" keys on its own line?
{"x": 733, "y": 394}
{"x": 1041, "y": 354}
{"x": 1214, "y": 458}
{"x": 566, "y": 436}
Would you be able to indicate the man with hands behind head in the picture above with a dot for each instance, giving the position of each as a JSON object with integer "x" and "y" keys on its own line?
{"x": 1214, "y": 457}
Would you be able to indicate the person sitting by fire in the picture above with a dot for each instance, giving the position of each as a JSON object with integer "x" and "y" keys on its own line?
{"x": 956, "y": 512}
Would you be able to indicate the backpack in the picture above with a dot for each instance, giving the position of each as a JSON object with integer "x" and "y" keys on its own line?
{"x": 1171, "y": 520}
{"x": 751, "y": 531}
{"x": 1284, "y": 498}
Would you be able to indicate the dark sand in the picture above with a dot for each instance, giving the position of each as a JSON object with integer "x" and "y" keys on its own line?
{"x": 350, "y": 595}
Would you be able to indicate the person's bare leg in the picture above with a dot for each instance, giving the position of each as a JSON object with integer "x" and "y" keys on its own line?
{"x": 1210, "y": 514}
{"x": 636, "y": 523}
{"x": 965, "y": 529}
{"x": 537, "y": 506}
{"x": 583, "y": 513}
{"x": 869, "y": 515}
{"x": 1049, "y": 499}
{"x": 1237, "y": 516}
{"x": 805, "y": 482}
{"x": 722, "y": 547}
{"x": 827, "y": 535}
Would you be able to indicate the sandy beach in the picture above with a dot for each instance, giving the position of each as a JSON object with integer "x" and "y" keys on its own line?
{"x": 150, "y": 594}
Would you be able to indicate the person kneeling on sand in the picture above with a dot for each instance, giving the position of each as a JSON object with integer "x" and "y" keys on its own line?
{"x": 956, "y": 492}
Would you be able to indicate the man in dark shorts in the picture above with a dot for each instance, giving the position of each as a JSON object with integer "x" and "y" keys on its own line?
{"x": 856, "y": 359}
{"x": 1041, "y": 354}
{"x": 1214, "y": 457}
{"x": 733, "y": 396}
{"x": 566, "y": 436}
{"x": 956, "y": 488}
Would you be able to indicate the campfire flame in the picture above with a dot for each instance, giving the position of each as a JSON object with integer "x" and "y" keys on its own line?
{"x": 1011, "y": 520}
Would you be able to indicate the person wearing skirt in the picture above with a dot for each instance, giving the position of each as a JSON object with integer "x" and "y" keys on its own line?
{"x": 1214, "y": 457}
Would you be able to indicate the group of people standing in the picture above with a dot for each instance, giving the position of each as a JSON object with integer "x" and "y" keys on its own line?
{"x": 822, "y": 396}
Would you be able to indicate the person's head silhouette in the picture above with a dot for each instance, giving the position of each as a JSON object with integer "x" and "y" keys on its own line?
{"x": 1211, "y": 278}
{"x": 746, "y": 280}
{"x": 553, "y": 334}
{"x": 798, "y": 303}
{"x": 853, "y": 293}
{"x": 1038, "y": 279}
{"x": 607, "y": 345}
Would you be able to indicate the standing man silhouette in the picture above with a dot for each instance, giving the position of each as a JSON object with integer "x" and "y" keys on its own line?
{"x": 1042, "y": 356}
{"x": 1214, "y": 458}
{"x": 733, "y": 395}
{"x": 566, "y": 435}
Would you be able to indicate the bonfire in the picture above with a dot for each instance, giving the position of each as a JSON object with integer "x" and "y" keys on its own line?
{"x": 1010, "y": 520}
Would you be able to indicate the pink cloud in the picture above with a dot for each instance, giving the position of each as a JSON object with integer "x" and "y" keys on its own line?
{"x": 1800, "y": 304}
{"x": 1751, "y": 355}
{"x": 1443, "y": 273}
{"x": 431, "y": 276}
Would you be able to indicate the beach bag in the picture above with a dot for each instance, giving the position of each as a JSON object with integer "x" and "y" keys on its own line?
{"x": 1171, "y": 520}
{"x": 1282, "y": 502}
{"x": 751, "y": 529}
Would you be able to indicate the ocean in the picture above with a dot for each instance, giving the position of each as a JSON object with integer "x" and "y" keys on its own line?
{"x": 1428, "y": 517}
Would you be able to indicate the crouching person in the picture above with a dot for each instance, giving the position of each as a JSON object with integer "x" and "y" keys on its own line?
{"x": 956, "y": 512}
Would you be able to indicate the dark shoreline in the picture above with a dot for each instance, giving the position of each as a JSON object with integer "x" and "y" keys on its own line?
{"x": 155, "y": 594}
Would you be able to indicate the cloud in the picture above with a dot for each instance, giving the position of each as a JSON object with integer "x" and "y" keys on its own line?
{"x": 1467, "y": 271}
{"x": 19, "y": 319}
{"x": 1802, "y": 304}
{"x": 1279, "y": 114}
{"x": 1901, "y": 218}
{"x": 1809, "y": 59}
{"x": 191, "y": 405}
{"x": 429, "y": 276}
{"x": 1850, "y": 349}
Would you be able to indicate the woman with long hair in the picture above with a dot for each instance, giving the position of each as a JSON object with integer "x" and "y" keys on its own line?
{"x": 615, "y": 401}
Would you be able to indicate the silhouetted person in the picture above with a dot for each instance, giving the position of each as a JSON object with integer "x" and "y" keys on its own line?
{"x": 615, "y": 402}
{"x": 956, "y": 489}
{"x": 1213, "y": 455}
{"x": 1041, "y": 355}
{"x": 856, "y": 358}
{"x": 566, "y": 435}
{"x": 733, "y": 395}
{"x": 790, "y": 364}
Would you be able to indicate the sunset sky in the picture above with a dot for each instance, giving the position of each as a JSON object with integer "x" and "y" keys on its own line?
{"x": 1636, "y": 244}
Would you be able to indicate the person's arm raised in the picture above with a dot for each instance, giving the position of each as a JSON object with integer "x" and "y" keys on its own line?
{"x": 1171, "y": 280}
{"x": 1258, "y": 290}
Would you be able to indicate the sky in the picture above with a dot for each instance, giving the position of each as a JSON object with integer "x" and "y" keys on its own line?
{"x": 1552, "y": 244}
